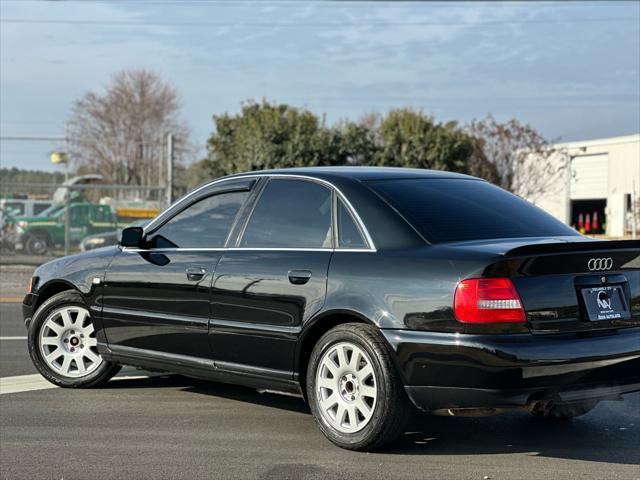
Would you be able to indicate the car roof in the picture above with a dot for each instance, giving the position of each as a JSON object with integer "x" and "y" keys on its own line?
{"x": 359, "y": 173}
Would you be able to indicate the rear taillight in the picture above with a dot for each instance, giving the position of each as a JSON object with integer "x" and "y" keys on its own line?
{"x": 488, "y": 300}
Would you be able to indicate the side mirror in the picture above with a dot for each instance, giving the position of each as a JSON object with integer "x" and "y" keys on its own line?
{"x": 131, "y": 237}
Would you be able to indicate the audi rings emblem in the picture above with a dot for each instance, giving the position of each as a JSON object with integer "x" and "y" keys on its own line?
{"x": 595, "y": 264}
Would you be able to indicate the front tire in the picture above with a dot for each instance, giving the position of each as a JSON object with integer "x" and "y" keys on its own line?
{"x": 37, "y": 244}
{"x": 354, "y": 391}
{"x": 63, "y": 346}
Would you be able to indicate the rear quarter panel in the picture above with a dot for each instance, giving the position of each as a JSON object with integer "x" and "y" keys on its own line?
{"x": 394, "y": 289}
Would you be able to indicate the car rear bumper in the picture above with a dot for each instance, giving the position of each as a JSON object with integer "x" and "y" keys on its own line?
{"x": 436, "y": 398}
{"x": 442, "y": 370}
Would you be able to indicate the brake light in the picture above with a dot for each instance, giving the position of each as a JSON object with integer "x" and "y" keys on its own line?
{"x": 488, "y": 300}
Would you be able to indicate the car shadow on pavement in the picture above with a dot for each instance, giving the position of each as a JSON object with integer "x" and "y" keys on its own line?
{"x": 232, "y": 392}
{"x": 594, "y": 437}
{"x": 270, "y": 399}
{"x": 610, "y": 433}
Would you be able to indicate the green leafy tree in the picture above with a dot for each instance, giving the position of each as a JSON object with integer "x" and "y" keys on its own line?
{"x": 269, "y": 135}
{"x": 265, "y": 135}
{"x": 410, "y": 138}
{"x": 355, "y": 143}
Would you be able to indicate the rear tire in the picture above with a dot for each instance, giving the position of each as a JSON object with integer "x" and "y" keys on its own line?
{"x": 62, "y": 343}
{"x": 354, "y": 390}
{"x": 567, "y": 411}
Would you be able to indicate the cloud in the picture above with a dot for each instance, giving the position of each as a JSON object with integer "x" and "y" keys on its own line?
{"x": 459, "y": 61}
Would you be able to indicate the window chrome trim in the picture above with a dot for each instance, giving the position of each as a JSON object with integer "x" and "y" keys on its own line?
{"x": 245, "y": 249}
{"x": 331, "y": 186}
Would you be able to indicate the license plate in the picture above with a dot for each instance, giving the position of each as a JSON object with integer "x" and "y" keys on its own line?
{"x": 605, "y": 303}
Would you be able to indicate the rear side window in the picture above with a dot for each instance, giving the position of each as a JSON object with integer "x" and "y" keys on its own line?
{"x": 204, "y": 224}
{"x": 349, "y": 235}
{"x": 290, "y": 214}
{"x": 449, "y": 210}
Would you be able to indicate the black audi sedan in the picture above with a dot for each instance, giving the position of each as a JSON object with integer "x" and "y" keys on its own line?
{"x": 370, "y": 291}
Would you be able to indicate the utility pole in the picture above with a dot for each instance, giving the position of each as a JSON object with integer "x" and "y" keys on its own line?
{"x": 169, "y": 187}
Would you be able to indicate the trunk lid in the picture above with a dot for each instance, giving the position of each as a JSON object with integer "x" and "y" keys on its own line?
{"x": 577, "y": 286}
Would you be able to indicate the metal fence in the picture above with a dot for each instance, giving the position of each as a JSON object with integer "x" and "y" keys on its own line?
{"x": 41, "y": 220}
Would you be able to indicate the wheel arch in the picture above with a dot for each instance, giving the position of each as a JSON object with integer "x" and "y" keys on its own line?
{"x": 316, "y": 328}
{"x": 41, "y": 232}
{"x": 51, "y": 288}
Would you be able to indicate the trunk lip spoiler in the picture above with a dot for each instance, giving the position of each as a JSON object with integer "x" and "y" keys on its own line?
{"x": 584, "y": 246}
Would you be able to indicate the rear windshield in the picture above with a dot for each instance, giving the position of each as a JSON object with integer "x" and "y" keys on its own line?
{"x": 450, "y": 210}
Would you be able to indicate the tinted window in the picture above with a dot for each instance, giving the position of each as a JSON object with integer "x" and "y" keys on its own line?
{"x": 290, "y": 214}
{"x": 205, "y": 224}
{"x": 454, "y": 210}
{"x": 349, "y": 235}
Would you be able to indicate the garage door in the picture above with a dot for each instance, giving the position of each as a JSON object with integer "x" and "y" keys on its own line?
{"x": 589, "y": 177}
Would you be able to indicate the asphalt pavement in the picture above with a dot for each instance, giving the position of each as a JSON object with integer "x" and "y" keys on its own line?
{"x": 167, "y": 427}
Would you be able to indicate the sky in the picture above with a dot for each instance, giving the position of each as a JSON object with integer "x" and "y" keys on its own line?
{"x": 570, "y": 69}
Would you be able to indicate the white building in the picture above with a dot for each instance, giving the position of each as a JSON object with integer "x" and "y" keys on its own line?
{"x": 596, "y": 178}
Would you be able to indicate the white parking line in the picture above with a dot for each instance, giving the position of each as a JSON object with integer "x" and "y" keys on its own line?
{"x": 13, "y": 338}
{"x": 28, "y": 383}
{"x": 24, "y": 383}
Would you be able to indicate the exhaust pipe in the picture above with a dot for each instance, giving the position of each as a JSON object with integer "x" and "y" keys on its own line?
{"x": 542, "y": 406}
{"x": 536, "y": 406}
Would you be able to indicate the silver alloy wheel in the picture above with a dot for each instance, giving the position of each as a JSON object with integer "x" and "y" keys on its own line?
{"x": 346, "y": 387}
{"x": 68, "y": 342}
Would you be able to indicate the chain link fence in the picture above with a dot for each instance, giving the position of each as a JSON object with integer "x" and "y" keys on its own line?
{"x": 41, "y": 221}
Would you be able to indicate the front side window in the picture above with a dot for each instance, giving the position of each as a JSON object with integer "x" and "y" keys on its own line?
{"x": 15, "y": 209}
{"x": 204, "y": 224}
{"x": 290, "y": 214}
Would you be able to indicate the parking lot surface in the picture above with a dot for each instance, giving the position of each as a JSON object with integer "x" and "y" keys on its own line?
{"x": 169, "y": 426}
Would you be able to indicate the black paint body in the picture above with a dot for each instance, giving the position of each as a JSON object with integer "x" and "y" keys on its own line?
{"x": 248, "y": 319}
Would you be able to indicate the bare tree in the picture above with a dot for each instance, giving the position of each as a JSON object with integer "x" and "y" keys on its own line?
{"x": 525, "y": 162}
{"x": 121, "y": 132}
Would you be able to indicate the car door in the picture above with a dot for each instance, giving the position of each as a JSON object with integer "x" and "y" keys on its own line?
{"x": 156, "y": 298}
{"x": 275, "y": 278}
{"x": 101, "y": 219}
{"x": 78, "y": 221}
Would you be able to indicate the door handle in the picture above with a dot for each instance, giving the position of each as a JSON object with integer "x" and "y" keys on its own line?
{"x": 299, "y": 277}
{"x": 196, "y": 273}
